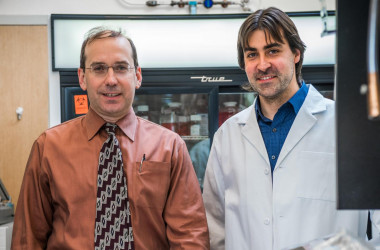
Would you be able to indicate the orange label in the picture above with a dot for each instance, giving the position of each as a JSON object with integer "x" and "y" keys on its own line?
{"x": 81, "y": 104}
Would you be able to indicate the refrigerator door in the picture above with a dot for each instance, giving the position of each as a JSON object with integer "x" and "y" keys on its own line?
{"x": 185, "y": 112}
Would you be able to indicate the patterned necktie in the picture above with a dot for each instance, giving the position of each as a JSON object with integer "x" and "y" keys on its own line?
{"x": 113, "y": 227}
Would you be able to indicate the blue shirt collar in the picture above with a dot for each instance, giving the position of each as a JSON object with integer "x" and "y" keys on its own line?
{"x": 299, "y": 97}
{"x": 296, "y": 101}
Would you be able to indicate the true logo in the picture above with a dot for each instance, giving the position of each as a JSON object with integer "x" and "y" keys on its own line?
{"x": 211, "y": 79}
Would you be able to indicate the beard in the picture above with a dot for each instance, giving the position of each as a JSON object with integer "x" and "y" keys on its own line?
{"x": 274, "y": 87}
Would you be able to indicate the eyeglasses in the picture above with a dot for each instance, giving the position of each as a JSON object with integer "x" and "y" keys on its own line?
{"x": 101, "y": 69}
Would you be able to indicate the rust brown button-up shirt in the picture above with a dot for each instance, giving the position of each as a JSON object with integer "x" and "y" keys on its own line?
{"x": 56, "y": 207}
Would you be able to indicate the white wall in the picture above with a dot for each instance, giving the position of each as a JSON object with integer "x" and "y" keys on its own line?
{"x": 37, "y": 12}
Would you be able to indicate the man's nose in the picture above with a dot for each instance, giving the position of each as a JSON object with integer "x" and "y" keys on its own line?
{"x": 111, "y": 77}
{"x": 263, "y": 64}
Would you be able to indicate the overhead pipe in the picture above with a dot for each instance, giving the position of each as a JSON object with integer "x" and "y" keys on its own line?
{"x": 206, "y": 3}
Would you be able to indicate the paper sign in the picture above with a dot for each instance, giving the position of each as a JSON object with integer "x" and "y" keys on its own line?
{"x": 81, "y": 104}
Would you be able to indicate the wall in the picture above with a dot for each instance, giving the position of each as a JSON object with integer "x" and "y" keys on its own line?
{"x": 38, "y": 12}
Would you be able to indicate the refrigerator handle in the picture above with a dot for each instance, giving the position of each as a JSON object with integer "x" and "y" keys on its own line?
{"x": 213, "y": 112}
{"x": 372, "y": 61}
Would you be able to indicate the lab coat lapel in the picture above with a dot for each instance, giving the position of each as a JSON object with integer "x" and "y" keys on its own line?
{"x": 252, "y": 133}
{"x": 305, "y": 120}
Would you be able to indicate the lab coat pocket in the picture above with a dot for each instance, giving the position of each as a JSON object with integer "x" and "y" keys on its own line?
{"x": 316, "y": 176}
{"x": 151, "y": 183}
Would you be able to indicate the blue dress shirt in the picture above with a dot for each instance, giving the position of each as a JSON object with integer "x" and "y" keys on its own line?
{"x": 274, "y": 132}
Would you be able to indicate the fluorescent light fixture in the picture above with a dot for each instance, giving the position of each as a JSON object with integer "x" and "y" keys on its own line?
{"x": 182, "y": 42}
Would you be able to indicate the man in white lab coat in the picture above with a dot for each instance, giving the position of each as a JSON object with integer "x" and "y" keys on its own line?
{"x": 271, "y": 179}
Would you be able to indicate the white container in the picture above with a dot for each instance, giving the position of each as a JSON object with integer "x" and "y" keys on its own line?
{"x": 143, "y": 111}
{"x": 195, "y": 128}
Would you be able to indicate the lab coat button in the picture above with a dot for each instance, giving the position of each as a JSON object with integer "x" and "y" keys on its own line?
{"x": 266, "y": 171}
{"x": 266, "y": 221}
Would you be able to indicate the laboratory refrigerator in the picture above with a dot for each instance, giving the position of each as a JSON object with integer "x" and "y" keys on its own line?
{"x": 191, "y": 102}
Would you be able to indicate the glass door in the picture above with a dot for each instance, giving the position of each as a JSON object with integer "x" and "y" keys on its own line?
{"x": 185, "y": 114}
{"x": 231, "y": 103}
{"x": 186, "y": 111}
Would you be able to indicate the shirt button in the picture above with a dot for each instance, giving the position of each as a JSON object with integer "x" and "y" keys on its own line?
{"x": 266, "y": 171}
{"x": 266, "y": 221}
{"x": 273, "y": 157}
{"x": 274, "y": 130}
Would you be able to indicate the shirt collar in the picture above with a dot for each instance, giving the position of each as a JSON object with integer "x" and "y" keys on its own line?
{"x": 258, "y": 111}
{"x": 296, "y": 101}
{"x": 299, "y": 97}
{"x": 93, "y": 123}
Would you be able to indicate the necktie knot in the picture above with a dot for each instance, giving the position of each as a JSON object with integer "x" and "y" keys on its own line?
{"x": 110, "y": 128}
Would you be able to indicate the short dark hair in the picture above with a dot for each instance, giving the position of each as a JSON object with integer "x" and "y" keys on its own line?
{"x": 276, "y": 24}
{"x": 103, "y": 32}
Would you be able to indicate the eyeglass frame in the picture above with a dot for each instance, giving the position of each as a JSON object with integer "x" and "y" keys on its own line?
{"x": 129, "y": 68}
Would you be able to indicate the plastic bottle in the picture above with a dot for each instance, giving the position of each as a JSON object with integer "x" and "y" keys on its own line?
{"x": 204, "y": 124}
{"x": 229, "y": 109}
{"x": 143, "y": 111}
{"x": 183, "y": 125}
{"x": 195, "y": 128}
{"x": 169, "y": 117}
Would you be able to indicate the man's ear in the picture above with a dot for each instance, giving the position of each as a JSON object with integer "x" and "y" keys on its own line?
{"x": 138, "y": 77}
{"x": 82, "y": 80}
{"x": 297, "y": 56}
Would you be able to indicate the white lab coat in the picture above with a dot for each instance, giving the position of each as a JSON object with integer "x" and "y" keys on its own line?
{"x": 245, "y": 211}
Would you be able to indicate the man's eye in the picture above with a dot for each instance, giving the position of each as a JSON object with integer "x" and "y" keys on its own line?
{"x": 251, "y": 55}
{"x": 99, "y": 68}
{"x": 121, "y": 67}
{"x": 273, "y": 52}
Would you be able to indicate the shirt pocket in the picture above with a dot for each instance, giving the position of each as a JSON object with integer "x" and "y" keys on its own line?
{"x": 151, "y": 184}
{"x": 317, "y": 176}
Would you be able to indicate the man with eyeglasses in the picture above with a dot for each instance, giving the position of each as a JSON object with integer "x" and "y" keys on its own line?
{"x": 62, "y": 204}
